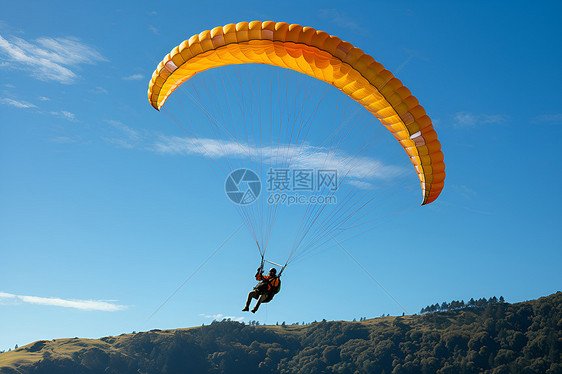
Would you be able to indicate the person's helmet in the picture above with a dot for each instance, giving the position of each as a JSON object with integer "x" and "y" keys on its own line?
{"x": 273, "y": 271}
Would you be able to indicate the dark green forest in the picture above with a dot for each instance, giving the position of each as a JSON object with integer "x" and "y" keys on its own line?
{"x": 497, "y": 337}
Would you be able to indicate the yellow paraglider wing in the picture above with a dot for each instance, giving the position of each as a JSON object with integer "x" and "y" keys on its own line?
{"x": 321, "y": 56}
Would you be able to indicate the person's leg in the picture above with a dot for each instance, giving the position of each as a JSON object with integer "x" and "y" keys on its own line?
{"x": 251, "y": 295}
{"x": 260, "y": 300}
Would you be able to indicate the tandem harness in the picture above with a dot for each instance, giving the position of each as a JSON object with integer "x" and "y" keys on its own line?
{"x": 265, "y": 287}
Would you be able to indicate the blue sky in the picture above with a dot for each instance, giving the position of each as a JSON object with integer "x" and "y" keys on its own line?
{"x": 98, "y": 225}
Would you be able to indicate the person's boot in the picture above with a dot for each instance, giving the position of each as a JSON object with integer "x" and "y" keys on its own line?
{"x": 254, "y": 310}
{"x": 248, "y": 301}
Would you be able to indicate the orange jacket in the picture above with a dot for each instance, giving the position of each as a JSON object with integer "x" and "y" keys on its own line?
{"x": 274, "y": 282}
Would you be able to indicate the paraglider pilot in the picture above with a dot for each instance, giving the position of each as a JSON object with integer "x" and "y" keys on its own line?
{"x": 265, "y": 290}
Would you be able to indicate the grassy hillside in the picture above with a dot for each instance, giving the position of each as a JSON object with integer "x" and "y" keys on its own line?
{"x": 500, "y": 338}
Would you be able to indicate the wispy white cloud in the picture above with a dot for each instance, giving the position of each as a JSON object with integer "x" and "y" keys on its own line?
{"x": 44, "y": 98}
{"x": 16, "y": 103}
{"x": 63, "y": 140}
{"x": 341, "y": 20}
{"x": 134, "y": 77}
{"x": 493, "y": 118}
{"x": 204, "y": 147}
{"x": 463, "y": 119}
{"x": 555, "y": 118}
{"x": 466, "y": 119}
{"x": 64, "y": 114}
{"x": 98, "y": 90}
{"x": 119, "y": 125}
{"x": 220, "y": 317}
{"x": 362, "y": 185}
{"x": 9, "y": 85}
{"x": 124, "y": 137}
{"x": 48, "y": 59}
{"x": 297, "y": 156}
{"x": 154, "y": 30}
{"x": 89, "y": 305}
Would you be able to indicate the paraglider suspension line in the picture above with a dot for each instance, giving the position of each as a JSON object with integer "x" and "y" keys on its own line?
{"x": 197, "y": 270}
{"x": 366, "y": 272}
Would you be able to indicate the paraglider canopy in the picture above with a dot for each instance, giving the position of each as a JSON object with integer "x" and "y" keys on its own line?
{"x": 324, "y": 57}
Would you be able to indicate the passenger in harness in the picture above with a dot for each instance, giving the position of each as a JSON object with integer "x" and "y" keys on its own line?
{"x": 265, "y": 290}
